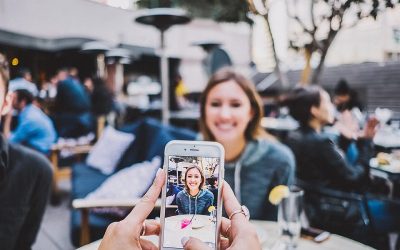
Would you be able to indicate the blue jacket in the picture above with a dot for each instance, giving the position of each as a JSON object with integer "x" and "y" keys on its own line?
{"x": 199, "y": 204}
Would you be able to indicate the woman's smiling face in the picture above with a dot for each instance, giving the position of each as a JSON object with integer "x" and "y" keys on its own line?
{"x": 193, "y": 179}
{"x": 228, "y": 112}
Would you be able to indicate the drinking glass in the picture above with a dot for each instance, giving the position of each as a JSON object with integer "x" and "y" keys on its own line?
{"x": 289, "y": 211}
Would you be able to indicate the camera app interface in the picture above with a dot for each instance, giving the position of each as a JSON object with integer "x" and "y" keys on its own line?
{"x": 191, "y": 203}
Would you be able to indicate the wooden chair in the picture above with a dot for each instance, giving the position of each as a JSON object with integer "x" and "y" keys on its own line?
{"x": 85, "y": 205}
{"x": 78, "y": 151}
{"x": 61, "y": 173}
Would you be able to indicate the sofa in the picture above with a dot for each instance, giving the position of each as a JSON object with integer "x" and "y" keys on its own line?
{"x": 150, "y": 139}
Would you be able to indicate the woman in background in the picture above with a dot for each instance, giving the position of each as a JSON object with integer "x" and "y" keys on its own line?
{"x": 318, "y": 159}
{"x": 231, "y": 111}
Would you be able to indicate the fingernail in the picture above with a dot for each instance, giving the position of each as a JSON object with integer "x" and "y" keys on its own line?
{"x": 158, "y": 172}
{"x": 184, "y": 240}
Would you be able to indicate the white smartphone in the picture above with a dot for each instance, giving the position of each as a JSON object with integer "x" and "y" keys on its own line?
{"x": 191, "y": 197}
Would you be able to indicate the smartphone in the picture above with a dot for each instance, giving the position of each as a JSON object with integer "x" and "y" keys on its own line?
{"x": 191, "y": 197}
{"x": 315, "y": 234}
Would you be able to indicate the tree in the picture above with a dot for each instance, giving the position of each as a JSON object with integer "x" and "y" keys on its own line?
{"x": 322, "y": 22}
{"x": 262, "y": 8}
{"x": 219, "y": 10}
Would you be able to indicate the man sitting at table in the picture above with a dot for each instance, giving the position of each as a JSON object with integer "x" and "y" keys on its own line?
{"x": 72, "y": 116}
{"x": 34, "y": 129}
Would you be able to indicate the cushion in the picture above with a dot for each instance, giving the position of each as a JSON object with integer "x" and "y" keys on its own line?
{"x": 151, "y": 138}
{"x": 109, "y": 149}
{"x": 85, "y": 180}
{"x": 129, "y": 183}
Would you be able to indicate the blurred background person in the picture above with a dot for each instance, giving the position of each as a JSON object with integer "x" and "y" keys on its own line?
{"x": 34, "y": 129}
{"x": 72, "y": 109}
{"x": 23, "y": 81}
{"x": 101, "y": 98}
{"x": 349, "y": 120}
{"x": 25, "y": 181}
{"x": 255, "y": 162}
{"x": 318, "y": 159}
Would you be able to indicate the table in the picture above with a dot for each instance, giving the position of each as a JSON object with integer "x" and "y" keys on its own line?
{"x": 390, "y": 174}
{"x": 173, "y": 232}
{"x": 268, "y": 232}
{"x": 388, "y": 138}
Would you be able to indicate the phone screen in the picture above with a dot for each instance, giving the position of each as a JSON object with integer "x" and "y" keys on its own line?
{"x": 191, "y": 200}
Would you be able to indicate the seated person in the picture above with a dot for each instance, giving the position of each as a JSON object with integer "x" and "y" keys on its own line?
{"x": 25, "y": 181}
{"x": 213, "y": 181}
{"x": 255, "y": 162}
{"x": 172, "y": 191}
{"x": 318, "y": 159}
{"x": 194, "y": 199}
{"x": 34, "y": 129}
{"x": 72, "y": 116}
{"x": 102, "y": 100}
{"x": 349, "y": 119}
{"x": 23, "y": 81}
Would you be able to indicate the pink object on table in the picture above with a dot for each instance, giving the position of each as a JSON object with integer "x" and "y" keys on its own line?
{"x": 185, "y": 223}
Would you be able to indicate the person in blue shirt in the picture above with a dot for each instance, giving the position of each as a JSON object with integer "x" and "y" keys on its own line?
{"x": 34, "y": 129}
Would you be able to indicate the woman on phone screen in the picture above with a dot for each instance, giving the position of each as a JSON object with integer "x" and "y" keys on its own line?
{"x": 255, "y": 162}
{"x": 193, "y": 199}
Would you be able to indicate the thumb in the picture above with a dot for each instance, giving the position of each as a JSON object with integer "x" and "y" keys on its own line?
{"x": 191, "y": 243}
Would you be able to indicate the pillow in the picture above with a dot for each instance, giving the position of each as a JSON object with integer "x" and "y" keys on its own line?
{"x": 109, "y": 149}
{"x": 129, "y": 183}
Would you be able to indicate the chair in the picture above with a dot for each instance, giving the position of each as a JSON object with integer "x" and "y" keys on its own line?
{"x": 150, "y": 139}
{"x": 385, "y": 219}
{"x": 343, "y": 213}
{"x": 64, "y": 172}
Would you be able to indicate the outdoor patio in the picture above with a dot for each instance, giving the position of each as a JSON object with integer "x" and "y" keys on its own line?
{"x": 54, "y": 233}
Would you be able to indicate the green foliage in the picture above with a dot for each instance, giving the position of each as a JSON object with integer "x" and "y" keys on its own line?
{"x": 219, "y": 10}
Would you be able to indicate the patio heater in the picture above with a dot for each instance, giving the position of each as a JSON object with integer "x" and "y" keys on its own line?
{"x": 98, "y": 48}
{"x": 119, "y": 57}
{"x": 163, "y": 19}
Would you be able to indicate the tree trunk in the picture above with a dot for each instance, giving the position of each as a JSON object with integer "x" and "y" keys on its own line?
{"x": 305, "y": 75}
{"x": 282, "y": 78}
{"x": 317, "y": 72}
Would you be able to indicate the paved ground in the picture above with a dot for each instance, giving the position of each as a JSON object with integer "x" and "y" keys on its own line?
{"x": 54, "y": 231}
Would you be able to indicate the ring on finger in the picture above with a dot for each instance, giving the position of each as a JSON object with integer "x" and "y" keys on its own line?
{"x": 143, "y": 230}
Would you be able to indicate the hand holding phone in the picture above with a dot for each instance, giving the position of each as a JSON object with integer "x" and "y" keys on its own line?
{"x": 191, "y": 198}
{"x": 238, "y": 232}
{"x": 126, "y": 234}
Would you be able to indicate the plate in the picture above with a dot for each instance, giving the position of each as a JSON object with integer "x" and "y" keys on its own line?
{"x": 199, "y": 222}
{"x": 393, "y": 167}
